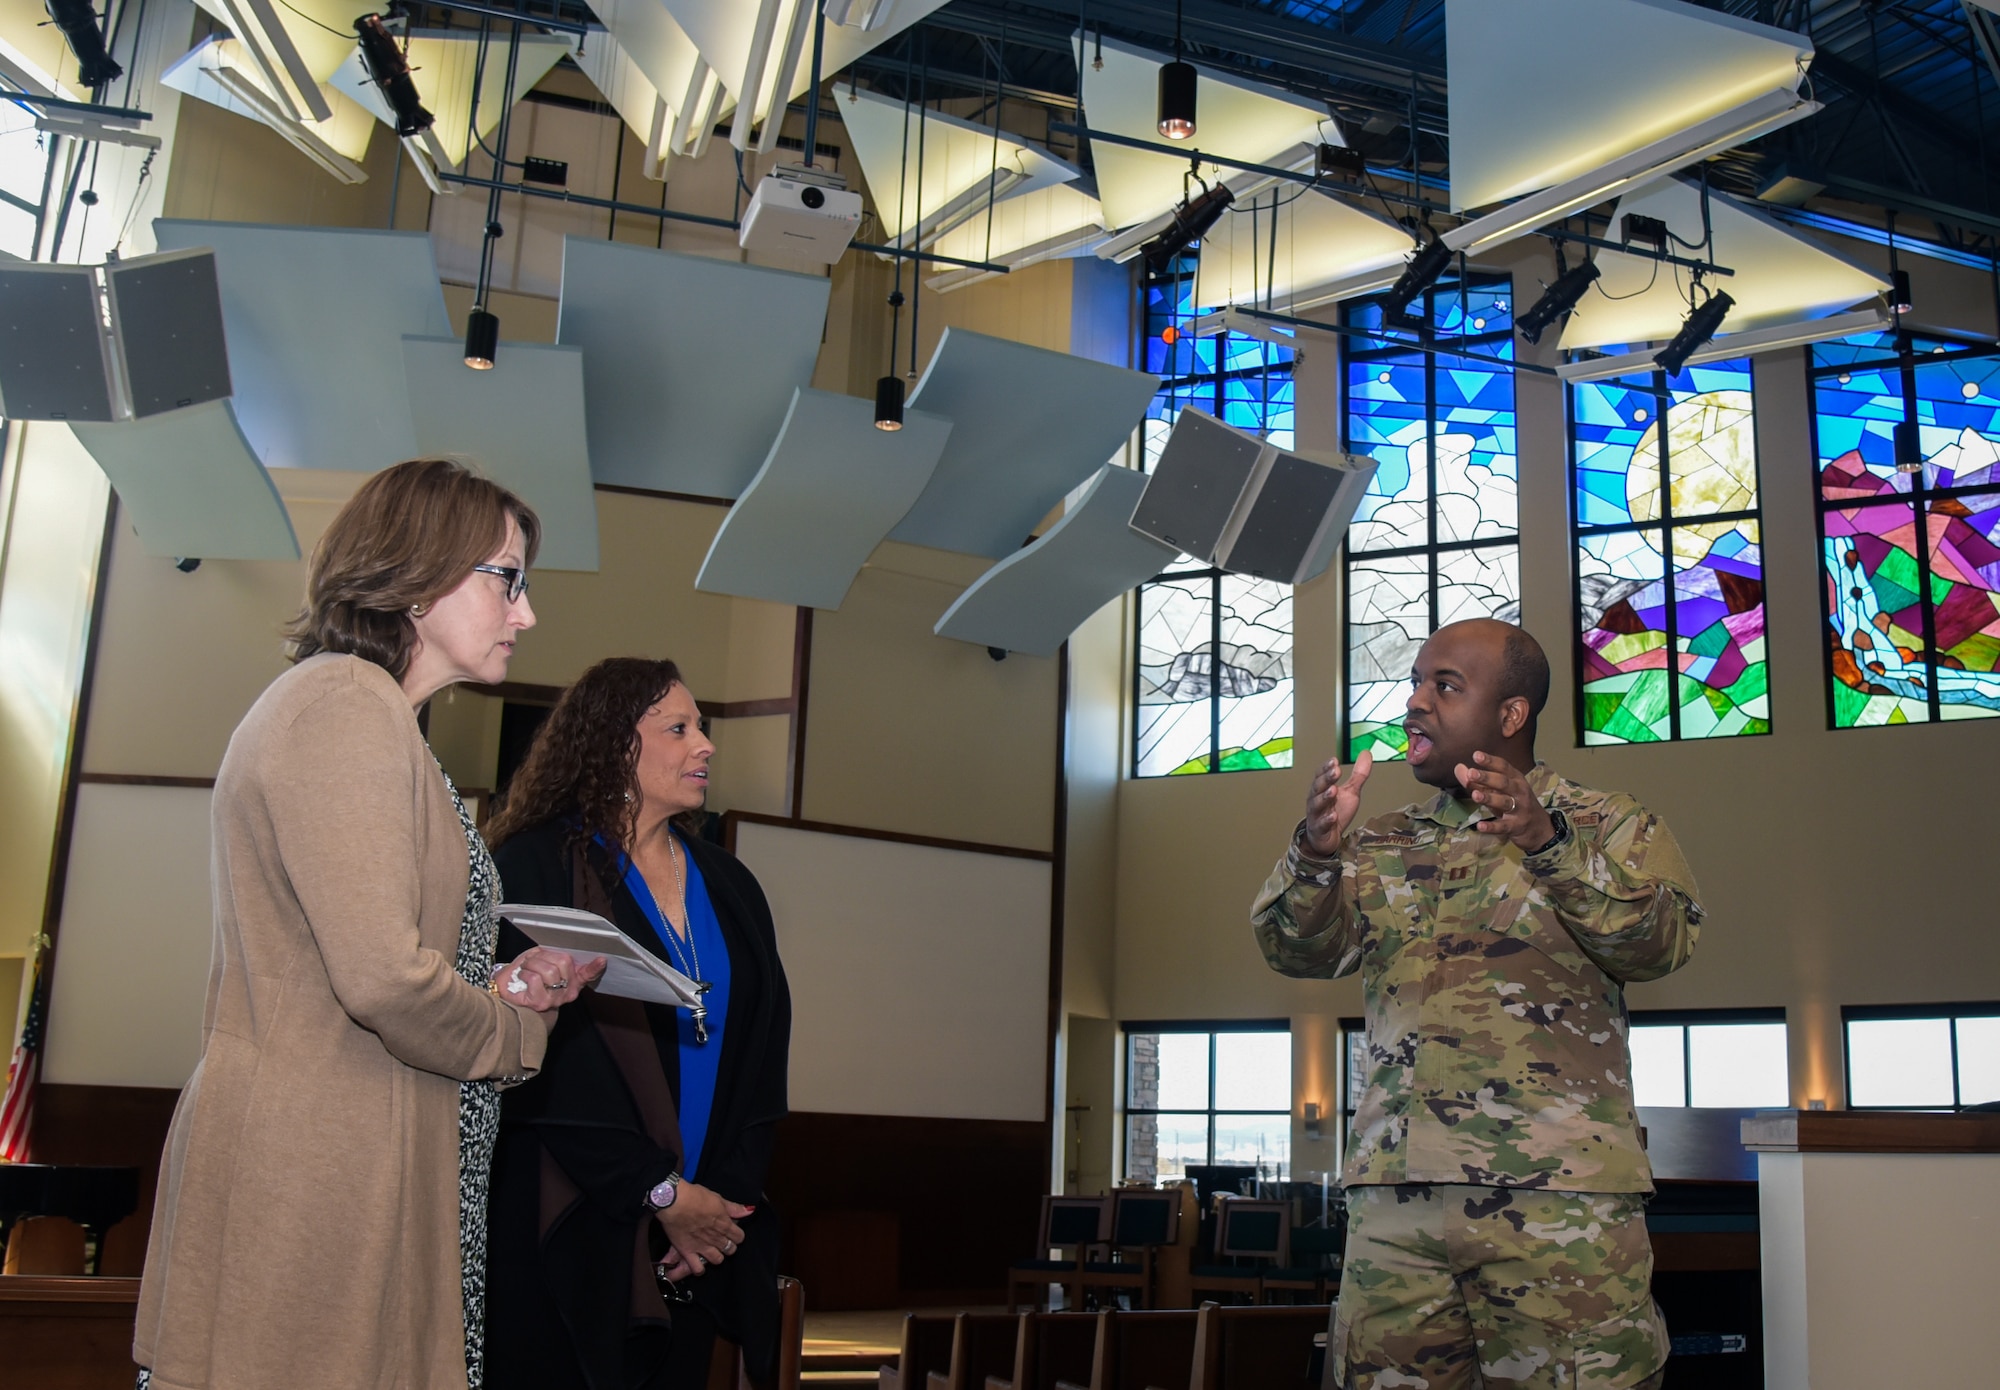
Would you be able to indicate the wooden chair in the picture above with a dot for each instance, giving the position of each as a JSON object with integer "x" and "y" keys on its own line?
{"x": 982, "y": 1345}
{"x": 927, "y": 1340}
{"x": 725, "y": 1363}
{"x": 1142, "y": 1350}
{"x": 1310, "y": 1267}
{"x": 1049, "y": 1349}
{"x": 1071, "y": 1223}
{"x": 1257, "y": 1348}
{"x": 1143, "y": 1220}
{"x": 1251, "y": 1238}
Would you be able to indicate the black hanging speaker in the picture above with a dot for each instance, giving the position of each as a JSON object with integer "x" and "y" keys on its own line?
{"x": 1241, "y": 503}
{"x": 54, "y": 357}
{"x": 166, "y": 318}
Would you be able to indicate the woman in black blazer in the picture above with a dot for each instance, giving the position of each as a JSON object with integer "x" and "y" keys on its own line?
{"x": 628, "y": 1223}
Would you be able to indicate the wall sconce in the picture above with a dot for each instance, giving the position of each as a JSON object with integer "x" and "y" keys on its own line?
{"x": 1313, "y": 1129}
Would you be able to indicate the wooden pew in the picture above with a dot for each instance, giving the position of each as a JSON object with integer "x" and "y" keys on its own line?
{"x": 1256, "y": 1348}
{"x": 1142, "y": 1351}
{"x": 982, "y": 1345}
{"x": 927, "y": 1339}
{"x": 1050, "y": 1348}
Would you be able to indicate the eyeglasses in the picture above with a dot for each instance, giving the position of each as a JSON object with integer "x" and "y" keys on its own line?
{"x": 517, "y": 580}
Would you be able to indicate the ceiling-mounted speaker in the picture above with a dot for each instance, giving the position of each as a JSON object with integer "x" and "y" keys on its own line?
{"x": 54, "y": 355}
{"x": 1241, "y": 503}
{"x": 166, "y": 319}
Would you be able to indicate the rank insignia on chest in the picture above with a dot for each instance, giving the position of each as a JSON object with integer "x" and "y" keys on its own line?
{"x": 1463, "y": 871}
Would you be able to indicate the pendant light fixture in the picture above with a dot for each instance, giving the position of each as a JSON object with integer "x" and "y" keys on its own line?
{"x": 482, "y": 339}
{"x": 1177, "y": 90}
{"x": 889, "y": 389}
{"x": 482, "y": 326}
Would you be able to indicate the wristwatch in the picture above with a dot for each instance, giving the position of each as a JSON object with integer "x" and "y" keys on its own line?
{"x": 1562, "y": 835}
{"x": 663, "y": 1195}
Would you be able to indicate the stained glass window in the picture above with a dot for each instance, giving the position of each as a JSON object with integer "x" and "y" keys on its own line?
{"x": 1669, "y": 565}
{"x": 1213, "y": 672}
{"x": 1437, "y": 538}
{"x": 1906, "y": 427}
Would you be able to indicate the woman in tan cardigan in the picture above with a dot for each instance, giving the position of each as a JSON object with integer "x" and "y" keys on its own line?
{"x": 321, "y": 1211}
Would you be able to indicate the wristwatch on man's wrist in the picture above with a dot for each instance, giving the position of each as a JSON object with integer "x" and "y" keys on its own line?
{"x": 663, "y": 1194}
{"x": 1561, "y": 837}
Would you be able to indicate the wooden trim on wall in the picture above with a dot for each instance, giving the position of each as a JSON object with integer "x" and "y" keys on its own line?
{"x": 142, "y": 779}
{"x": 1058, "y": 888}
{"x": 802, "y": 650}
{"x": 522, "y": 692}
{"x": 732, "y": 819}
{"x": 668, "y": 496}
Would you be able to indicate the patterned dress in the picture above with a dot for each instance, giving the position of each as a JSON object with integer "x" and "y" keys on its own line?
{"x": 478, "y": 1101}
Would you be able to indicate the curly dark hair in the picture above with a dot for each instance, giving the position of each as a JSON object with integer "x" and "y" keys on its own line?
{"x": 585, "y": 757}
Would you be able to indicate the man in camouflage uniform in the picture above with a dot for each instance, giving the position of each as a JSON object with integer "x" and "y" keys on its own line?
{"x": 1495, "y": 1180}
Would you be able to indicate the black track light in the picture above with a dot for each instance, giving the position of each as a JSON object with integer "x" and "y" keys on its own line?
{"x": 389, "y": 70}
{"x": 889, "y": 403}
{"x": 1557, "y": 300}
{"x": 1192, "y": 219}
{"x": 482, "y": 339}
{"x": 1177, "y": 100}
{"x": 1429, "y": 262}
{"x": 1699, "y": 327}
{"x": 1899, "y": 292}
{"x": 78, "y": 22}
{"x": 1909, "y": 447}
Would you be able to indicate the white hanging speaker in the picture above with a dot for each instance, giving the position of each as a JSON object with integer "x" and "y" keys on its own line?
{"x": 1241, "y": 503}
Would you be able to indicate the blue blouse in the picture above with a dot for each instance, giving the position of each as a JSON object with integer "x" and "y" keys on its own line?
{"x": 700, "y": 1062}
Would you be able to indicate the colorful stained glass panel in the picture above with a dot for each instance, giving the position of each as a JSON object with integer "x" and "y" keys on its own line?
{"x": 1176, "y": 631}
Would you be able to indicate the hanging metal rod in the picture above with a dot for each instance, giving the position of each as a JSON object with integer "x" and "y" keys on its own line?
{"x": 29, "y": 101}
{"x": 1376, "y": 335}
{"x": 669, "y": 215}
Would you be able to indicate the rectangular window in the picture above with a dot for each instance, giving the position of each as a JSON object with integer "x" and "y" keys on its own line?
{"x": 1668, "y": 561}
{"x": 1722, "y": 1058}
{"x": 1207, "y": 1093}
{"x": 1212, "y": 670}
{"x": 1437, "y": 538}
{"x": 1922, "y": 1057}
{"x": 1906, "y": 427}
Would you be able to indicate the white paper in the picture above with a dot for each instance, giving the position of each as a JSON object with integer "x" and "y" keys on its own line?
{"x": 630, "y": 972}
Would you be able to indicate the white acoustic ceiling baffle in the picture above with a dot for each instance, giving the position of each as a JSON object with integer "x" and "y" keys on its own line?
{"x": 1781, "y": 276}
{"x": 315, "y": 317}
{"x": 929, "y": 172}
{"x": 633, "y": 95}
{"x": 1028, "y": 425}
{"x": 1564, "y": 103}
{"x": 692, "y": 361}
{"x": 191, "y": 486}
{"x": 1061, "y": 220}
{"x": 1239, "y": 120}
{"x": 295, "y": 45}
{"x": 1320, "y": 241}
{"x": 444, "y": 65}
{"x": 1772, "y": 339}
{"x": 1035, "y": 598}
{"x": 219, "y": 71}
{"x": 828, "y": 493}
{"x": 522, "y": 424}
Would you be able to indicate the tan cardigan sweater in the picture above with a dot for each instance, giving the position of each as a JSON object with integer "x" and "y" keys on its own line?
{"x": 306, "y": 1230}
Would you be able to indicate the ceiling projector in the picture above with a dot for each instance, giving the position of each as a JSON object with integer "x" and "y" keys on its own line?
{"x": 796, "y": 211}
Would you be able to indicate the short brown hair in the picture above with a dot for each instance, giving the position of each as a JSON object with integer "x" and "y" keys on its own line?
{"x": 409, "y": 536}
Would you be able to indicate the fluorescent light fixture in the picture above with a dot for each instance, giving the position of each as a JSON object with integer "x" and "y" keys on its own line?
{"x": 219, "y": 71}
{"x": 1060, "y": 220}
{"x": 1772, "y": 339}
{"x": 294, "y": 46}
{"x": 105, "y": 130}
{"x": 1739, "y": 125}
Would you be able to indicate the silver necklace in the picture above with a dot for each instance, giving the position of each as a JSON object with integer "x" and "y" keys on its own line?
{"x": 698, "y": 1011}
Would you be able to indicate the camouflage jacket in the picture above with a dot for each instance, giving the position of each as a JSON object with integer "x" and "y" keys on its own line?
{"x": 1493, "y": 984}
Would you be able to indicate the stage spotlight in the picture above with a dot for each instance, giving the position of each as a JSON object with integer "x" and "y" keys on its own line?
{"x": 79, "y": 25}
{"x": 889, "y": 403}
{"x": 482, "y": 339}
{"x": 1899, "y": 292}
{"x": 1177, "y": 100}
{"x": 1699, "y": 327}
{"x": 1420, "y": 274}
{"x": 1192, "y": 220}
{"x": 390, "y": 71}
{"x": 1557, "y": 300}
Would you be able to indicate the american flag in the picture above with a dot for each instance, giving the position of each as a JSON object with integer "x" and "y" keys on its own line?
{"x": 17, "y": 1109}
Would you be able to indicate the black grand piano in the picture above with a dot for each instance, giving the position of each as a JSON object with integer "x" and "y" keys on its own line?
{"x": 94, "y": 1198}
